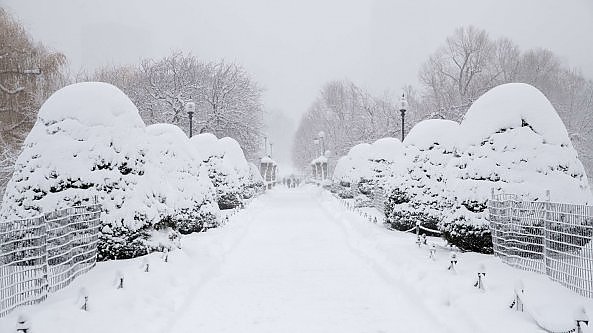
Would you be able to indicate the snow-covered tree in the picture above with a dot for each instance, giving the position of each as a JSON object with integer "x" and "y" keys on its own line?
{"x": 348, "y": 115}
{"x": 29, "y": 73}
{"x": 227, "y": 98}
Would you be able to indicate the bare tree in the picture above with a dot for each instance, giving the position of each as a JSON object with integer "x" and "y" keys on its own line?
{"x": 469, "y": 64}
{"x": 29, "y": 73}
{"x": 228, "y": 100}
{"x": 460, "y": 71}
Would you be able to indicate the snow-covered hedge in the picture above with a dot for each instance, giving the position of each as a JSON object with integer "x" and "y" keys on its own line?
{"x": 369, "y": 165}
{"x": 511, "y": 140}
{"x": 187, "y": 197}
{"x": 226, "y": 166}
{"x": 417, "y": 192}
{"x": 90, "y": 142}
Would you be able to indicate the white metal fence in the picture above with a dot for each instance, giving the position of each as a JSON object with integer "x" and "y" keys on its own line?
{"x": 378, "y": 197}
{"x": 545, "y": 237}
{"x": 44, "y": 254}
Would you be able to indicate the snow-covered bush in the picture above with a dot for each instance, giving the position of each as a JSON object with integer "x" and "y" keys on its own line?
{"x": 416, "y": 193}
{"x": 226, "y": 166}
{"x": 355, "y": 166}
{"x": 369, "y": 165}
{"x": 510, "y": 140}
{"x": 255, "y": 183}
{"x": 188, "y": 197}
{"x": 88, "y": 141}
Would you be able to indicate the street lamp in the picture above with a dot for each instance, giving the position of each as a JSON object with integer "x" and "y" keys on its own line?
{"x": 403, "y": 106}
{"x": 321, "y": 135}
{"x": 316, "y": 141}
{"x": 190, "y": 108}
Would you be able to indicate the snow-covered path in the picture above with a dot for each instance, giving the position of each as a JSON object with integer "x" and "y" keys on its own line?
{"x": 299, "y": 261}
{"x": 293, "y": 271}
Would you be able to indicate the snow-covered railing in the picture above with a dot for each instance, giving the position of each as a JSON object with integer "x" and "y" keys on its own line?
{"x": 545, "y": 237}
{"x": 44, "y": 254}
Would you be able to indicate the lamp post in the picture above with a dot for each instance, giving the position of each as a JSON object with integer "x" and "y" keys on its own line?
{"x": 316, "y": 141}
{"x": 190, "y": 108}
{"x": 403, "y": 106}
{"x": 316, "y": 171}
{"x": 322, "y": 139}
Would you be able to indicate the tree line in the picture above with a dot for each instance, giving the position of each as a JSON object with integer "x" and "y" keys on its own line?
{"x": 229, "y": 101}
{"x": 468, "y": 64}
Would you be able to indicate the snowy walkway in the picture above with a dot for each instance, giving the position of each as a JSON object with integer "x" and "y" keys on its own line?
{"x": 294, "y": 271}
{"x": 298, "y": 261}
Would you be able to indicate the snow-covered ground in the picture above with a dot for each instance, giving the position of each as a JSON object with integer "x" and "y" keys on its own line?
{"x": 298, "y": 261}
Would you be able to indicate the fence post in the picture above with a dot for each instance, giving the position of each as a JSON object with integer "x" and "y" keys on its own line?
{"x": 546, "y": 233}
{"x": 45, "y": 257}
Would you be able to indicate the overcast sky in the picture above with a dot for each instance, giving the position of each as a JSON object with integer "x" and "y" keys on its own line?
{"x": 293, "y": 47}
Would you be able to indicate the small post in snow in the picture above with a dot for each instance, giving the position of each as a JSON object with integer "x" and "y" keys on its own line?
{"x": 481, "y": 275}
{"x": 84, "y": 299}
{"x": 166, "y": 255}
{"x": 146, "y": 265}
{"x": 418, "y": 228}
{"x": 581, "y": 318}
{"x": 432, "y": 251}
{"x": 22, "y": 324}
{"x": 120, "y": 280}
{"x": 517, "y": 303}
{"x": 453, "y": 262}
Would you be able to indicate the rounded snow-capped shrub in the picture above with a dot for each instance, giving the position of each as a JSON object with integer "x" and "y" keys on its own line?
{"x": 88, "y": 142}
{"x": 367, "y": 166}
{"x": 187, "y": 197}
{"x": 355, "y": 166}
{"x": 226, "y": 166}
{"x": 255, "y": 183}
{"x": 511, "y": 140}
{"x": 416, "y": 194}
